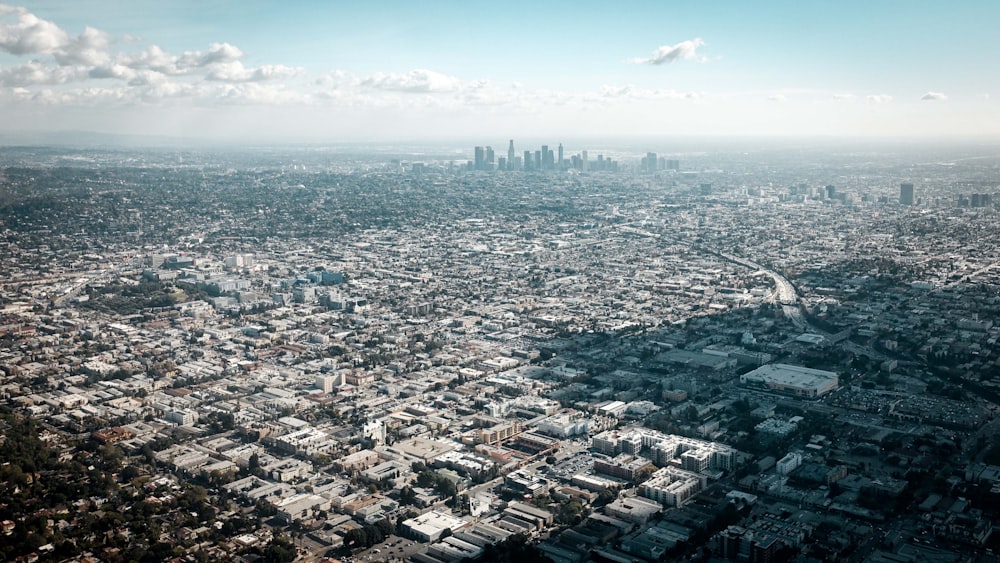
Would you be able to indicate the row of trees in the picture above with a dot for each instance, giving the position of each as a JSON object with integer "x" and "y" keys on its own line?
{"x": 368, "y": 536}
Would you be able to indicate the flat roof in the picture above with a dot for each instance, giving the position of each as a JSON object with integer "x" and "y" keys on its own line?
{"x": 793, "y": 376}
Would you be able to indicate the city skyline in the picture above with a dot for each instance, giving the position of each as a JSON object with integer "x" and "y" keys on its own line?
{"x": 393, "y": 71}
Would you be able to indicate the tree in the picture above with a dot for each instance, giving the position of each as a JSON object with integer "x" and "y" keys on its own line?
{"x": 253, "y": 464}
{"x": 280, "y": 550}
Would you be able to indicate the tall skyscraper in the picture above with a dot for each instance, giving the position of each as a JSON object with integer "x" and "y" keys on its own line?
{"x": 560, "y": 155}
{"x": 831, "y": 191}
{"x": 906, "y": 194}
{"x": 510, "y": 155}
{"x": 528, "y": 165}
{"x": 480, "y": 159}
{"x": 490, "y": 159}
{"x": 584, "y": 156}
{"x": 651, "y": 161}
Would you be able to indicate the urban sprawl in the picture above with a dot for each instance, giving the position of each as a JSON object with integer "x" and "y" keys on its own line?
{"x": 314, "y": 354}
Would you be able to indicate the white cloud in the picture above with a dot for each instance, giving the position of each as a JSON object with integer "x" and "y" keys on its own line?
{"x": 115, "y": 71}
{"x": 29, "y": 34}
{"x": 152, "y": 58}
{"x": 35, "y": 73}
{"x": 879, "y": 98}
{"x": 666, "y": 54}
{"x": 254, "y": 93}
{"x": 217, "y": 53}
{"x": 234, "y": 71}
{"x": 338, "y": 79}
{"x": 89, "y": 48}
{"x": 81, "y": 96}
{"x": 780, "y": 98}
{"x": 844, "y": 97}
{"x": 419, "y": 80}
{"x": 632, "y": 92}
{"x": 934, "y": 96}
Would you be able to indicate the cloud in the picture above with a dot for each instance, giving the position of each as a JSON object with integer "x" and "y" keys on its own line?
{"x": 780, "y": 98}
{"x": 152, "y": 58}
{"x": 234, "y": 71}
{"x": 632, "y": 92}
{"x": 217, "y": 58}
{"x": 338, "y": 79}
{"x": 879, "y": 98}
{"x": 253, "y": 93}
{"x": 844, "y": 97}
{"x": 217, "y": 53}
{"x": 666, "y": 54}
{"x": 89, "y": 48}
{"x": 34, "y": 73}
{"x": 419, "y": 80}
{"x": 934, "y": 96}
{"x": 29, "y": 34}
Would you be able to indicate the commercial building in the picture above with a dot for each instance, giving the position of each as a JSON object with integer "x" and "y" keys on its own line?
{"x": 431, "y": 526}
{"x": 793, "y": 380}
{"x": 671, "y": 486}
{"x": 906, "y": 194}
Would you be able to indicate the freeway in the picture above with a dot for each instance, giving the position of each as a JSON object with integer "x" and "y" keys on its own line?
{"x": 784, "y": 292}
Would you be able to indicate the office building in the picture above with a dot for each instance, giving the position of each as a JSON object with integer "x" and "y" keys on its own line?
{"x": 480, "y": 160}
{"x": 650, "y": 163}
{"x": 906, "y": 194}
{"x": 510, "y": 155}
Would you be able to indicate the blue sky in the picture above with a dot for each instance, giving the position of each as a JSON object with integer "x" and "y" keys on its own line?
{"x": 316, "y": 71}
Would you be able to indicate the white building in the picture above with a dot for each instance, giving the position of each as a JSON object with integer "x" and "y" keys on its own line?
{"x": 671, "y": 486}
{"x": 431, "y": 525}
{"x": 565, "y": 425}
{"x": 788, "y": 463}
{"x": 374, "y": 430}
{"x": 794, "y": 380}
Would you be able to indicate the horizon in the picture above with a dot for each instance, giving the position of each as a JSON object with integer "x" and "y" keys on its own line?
{"x": 69, "y": 139}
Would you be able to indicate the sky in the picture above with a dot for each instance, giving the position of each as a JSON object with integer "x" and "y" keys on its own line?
{"x": 341, "y": 71}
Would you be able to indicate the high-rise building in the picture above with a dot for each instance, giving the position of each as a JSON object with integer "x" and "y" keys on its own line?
{"x": 480, "y": 159}
{"x": 510, "y": 155}
{"x": 650, "y": 163}
{"x": 490, "y": 159}
{"x": 583, "y": 155}
{"x": 906, "y": 194}
{"x": 528, "y": 164}
{"x": 560, "y": 155}
{"x": 545, "y": 158}
{"x": 831, "y": 191}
